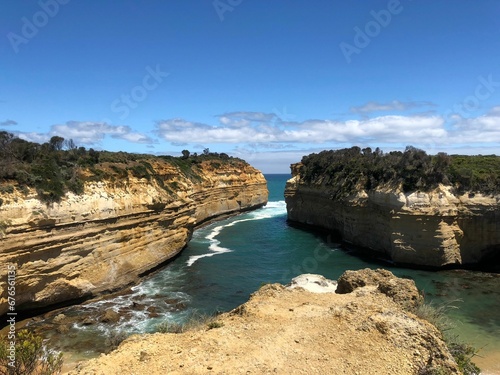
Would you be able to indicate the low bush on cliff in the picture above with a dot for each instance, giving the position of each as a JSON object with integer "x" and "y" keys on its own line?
{"x": 58, "y": 166}
{"x": 195, "y": 321}
{"x": 461, "y": 352}
{"x": 346, "y": 171}
{"x": 28, "y": 356}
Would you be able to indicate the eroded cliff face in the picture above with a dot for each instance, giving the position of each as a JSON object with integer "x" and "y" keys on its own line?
{"x": 432, "y": 229}
{"x": 116, "y": 231}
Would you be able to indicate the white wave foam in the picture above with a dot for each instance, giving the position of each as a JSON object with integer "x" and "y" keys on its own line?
{"x": 214, "y": 246}
{"x": 272, "y": 209}
{"x": 276, "y": 204}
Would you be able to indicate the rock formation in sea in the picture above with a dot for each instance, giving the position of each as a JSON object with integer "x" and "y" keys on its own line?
{"x": 366, "y": 327}
{"x": 433, "y": 226}
{"x": 119, "y": 228}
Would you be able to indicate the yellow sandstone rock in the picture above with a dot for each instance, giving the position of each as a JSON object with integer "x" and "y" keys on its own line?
{"x": 106, "y": 238}
{"x": 435, "y": 228}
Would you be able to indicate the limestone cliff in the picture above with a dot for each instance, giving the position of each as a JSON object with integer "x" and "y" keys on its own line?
{"x": 435, "y": 228}
{"x": 117, "y": 230}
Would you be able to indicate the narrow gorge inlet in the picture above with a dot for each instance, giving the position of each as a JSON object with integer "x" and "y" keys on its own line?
{"x": 155, "y": 243}
{"x": 250, "y": 187}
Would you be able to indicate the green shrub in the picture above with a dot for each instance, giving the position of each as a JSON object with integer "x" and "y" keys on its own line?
{"x": 461, "y": 352}
{"x": 122, "y": 173}
{"x": 6, "y": 189}
{"x": 31, "y": 356}
{"x": 26, "y": 178}
{"x": 140, "y": 171}
{"x": 436, "y": 315}
{"x": 170, "y": 327}
{"x": 174, "y": 185}
{"x": 59, "y": 166}
{"x": 114, "y": 339}
{"x": 215, "y": 324}
{"x": 76, "y": 186}
{"x": 346, "y": 171}
{"x": 23, "y": 189}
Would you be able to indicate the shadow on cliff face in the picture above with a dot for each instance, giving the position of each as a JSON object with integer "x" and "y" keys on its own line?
{"x": 370, "y": 256}
{"x": 490, "y": 262}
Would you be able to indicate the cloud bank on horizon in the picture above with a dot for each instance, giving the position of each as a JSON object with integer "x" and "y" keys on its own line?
{"x": 382, "y": 74}
{"x": 253, "y": 132}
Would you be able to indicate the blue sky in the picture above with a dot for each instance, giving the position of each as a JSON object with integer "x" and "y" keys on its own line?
{"x": 268, "y": 81}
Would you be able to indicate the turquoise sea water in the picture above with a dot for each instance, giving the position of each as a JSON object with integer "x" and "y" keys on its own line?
{"x": 228, "y": 260}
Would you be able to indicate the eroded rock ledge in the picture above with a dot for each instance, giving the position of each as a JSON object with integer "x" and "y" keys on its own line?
{"x": 106, "y": 238}
{"x": 429, "y": 229}
{"x": 285, "y": 330}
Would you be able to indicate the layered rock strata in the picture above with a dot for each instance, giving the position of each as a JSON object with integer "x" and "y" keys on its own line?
{"x": 433, "y": 229}
{"x": 116, "y": 231}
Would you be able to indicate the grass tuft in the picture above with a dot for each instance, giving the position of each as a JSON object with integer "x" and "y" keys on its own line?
{"x": 461, "y": 352}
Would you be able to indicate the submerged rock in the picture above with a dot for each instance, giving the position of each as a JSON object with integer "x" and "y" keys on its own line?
{"x": 110, "y": 316}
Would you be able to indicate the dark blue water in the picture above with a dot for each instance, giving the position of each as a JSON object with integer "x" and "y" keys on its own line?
{"x": 228, "y": 260}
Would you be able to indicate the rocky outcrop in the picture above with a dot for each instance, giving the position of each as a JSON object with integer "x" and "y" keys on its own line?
{"x": 116, "y": 231}
{"x": 402, "y": 291}
{"x": 433, "y": 229}
{"x": 291, "y": 330}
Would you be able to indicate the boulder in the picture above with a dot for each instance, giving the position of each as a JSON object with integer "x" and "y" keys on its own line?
{"x": 402, "y": 291}
{"x": 110, "y": 316}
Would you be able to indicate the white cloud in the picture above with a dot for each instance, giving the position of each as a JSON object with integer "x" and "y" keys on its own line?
{"x": 245, "y": 118}
{"x": 33, "y": 137}
{"x": 182, "y": 131}
{"x": 134, "y": 137}
{"x": 391, "y": 129}
{"x": 270, "y": 142}
{"x": 485, "y": 129}
{"x": 395, "y": 105}
{"x": 495, "y": 111}
{"x": 88, "y": 133}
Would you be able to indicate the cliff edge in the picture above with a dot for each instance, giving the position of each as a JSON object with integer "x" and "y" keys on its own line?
{"x": 305, "y": 328}
{"x": 129, "y": 218}
{"x": 435, "y": 226}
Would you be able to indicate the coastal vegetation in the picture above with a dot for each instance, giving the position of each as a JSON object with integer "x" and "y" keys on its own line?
{"x": 195, "y": 321}
{"x": 462, "y": 352}
{"x": 28, "y": 356}
{"x": 348, "y": 170}
{"x": 59, "y": 165}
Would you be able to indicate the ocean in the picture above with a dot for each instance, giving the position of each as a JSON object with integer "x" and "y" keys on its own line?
{"x": 228, "y": 260}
